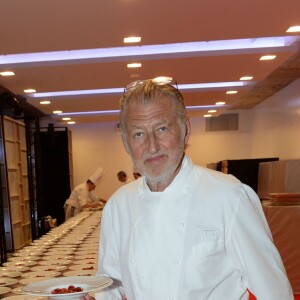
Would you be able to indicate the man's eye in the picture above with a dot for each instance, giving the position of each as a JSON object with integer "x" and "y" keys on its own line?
{"x": 163, "y": 129}
{"x": 138, "y": 134}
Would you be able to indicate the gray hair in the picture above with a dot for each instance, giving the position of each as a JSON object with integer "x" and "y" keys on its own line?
{"x": 145, "y": 93}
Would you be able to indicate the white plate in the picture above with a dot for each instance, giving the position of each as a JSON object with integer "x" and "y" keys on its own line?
{"x": 41, "y": 274}
{"x": 4, "y": 290}
{"x": 5, "y": 281}
{"x": 17, "y": 291}
{"x": 88, "y": 257}
{"x": 88, "y": 283}
{"x": 60, "y": 252}
{"x": 84, "y": 267}
{"x": 27, "y": 253}
{"x": 25, "y": 297}
{"x": 28, "y": 263}
{"x": 61, "y": 262}
{"x": 49, "y": 268}
{"x": 26, "y": 281}
{"x": 87, "y": 252}
{"x": 57, "y": 257}
{"x": 14, "y": 268}
{"x": 24, "y": 258}
{"x": 92, "y": 262}
{"x": 81, "y": 273}
{"x": 10, "y": 274}
{"x": 65, "y": 246}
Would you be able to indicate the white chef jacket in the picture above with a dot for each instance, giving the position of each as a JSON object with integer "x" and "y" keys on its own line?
{"x": 204, "y": 237}
{"x": 81, "y": 196}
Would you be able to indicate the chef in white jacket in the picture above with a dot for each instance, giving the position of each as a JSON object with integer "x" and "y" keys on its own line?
{"x": 84, "y": 196}
{"x": 182, "y": 232}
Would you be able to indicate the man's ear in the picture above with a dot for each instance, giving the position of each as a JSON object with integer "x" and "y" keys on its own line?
{"x": 187, "y": 131}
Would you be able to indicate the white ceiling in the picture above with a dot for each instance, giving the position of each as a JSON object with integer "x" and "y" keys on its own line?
{"x": 33, "y": 26}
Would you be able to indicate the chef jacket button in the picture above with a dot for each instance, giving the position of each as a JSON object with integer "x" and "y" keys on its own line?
{"x": 176, "y": 261}
{"x": 181, "y": 224}
{"x": 171, "y": 296}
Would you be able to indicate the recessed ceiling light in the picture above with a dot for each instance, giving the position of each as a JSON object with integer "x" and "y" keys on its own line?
{"x": 268, "y": 57}
{"x": 162, "y": 80}
{"x": 30, "y": 91}
{"x": 7, "y": 73}
{"x": 220, "y": 103}
{"x": 71, "y": 122}
{"x": 132, "y": 39}
{"x": 57, "y": 111}
{"x": 207, "y": 116}
{"x": 246, "y": 78}
{"x": 134, "y": 65}
{"x": 45, "y": 102}
{"x": 212, "y": 111}
{"x": 66, "y": 119}
{"x": 294, "y": 29}
{"x": 231, "y": 92}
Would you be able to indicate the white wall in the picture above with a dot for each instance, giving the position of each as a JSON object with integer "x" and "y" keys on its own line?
{"x": 272, "y": 129}
{"x": 99, "y": 145}
{"x": 276, "y": 124}
{"x": 210, "y": 147}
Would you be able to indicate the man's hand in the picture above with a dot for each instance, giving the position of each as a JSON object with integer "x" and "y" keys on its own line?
{"x": 87, "y": 297}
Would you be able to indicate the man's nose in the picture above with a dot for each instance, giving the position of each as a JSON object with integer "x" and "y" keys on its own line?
{"x": 153, "y": 143}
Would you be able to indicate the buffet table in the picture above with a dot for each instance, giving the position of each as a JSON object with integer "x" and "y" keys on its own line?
{"x": 70, "y": 249}
{"x": 284, "y": 222}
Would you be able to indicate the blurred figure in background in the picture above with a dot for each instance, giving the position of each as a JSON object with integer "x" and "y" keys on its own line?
{"x": 136, "y": 174}
{"x": 122, "y": 176}
{"x": 84, "y": 196}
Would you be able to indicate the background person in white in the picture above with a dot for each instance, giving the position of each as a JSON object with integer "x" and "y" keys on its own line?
{"x": 183, "y": 232}
{"x": 84, "y": 196}
{"x": 122, "y": 177}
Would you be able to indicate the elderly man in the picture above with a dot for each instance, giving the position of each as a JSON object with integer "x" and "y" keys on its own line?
{"x": 183, "y": 232}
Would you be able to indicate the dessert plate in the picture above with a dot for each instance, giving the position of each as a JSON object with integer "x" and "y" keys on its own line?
{"x": 86, "y": 283}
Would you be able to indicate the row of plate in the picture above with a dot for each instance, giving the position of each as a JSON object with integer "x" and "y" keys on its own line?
{"x": 70, "y": 249}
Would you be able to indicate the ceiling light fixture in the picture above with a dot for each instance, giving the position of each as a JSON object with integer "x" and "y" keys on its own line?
{"x": 29, "y": 91}
{"x": 207, "y": 116}
{"x": 57, "y": 111}
{"x": 134, "y": 65}
{"x": 294, "y": 29}
{"x": 211, "y": 111}
{"x": 237, "y": 46}
{"x": 246, "y": 78}
{"x": 114, "y": 112}
{"x": 268, "y": 57}
{"x": 45, "y": 102}
{"x": 162, "y": 80}
{"x": 231, "y": 92}
{"x": 7, "y": 73}
{"x": 132, "y": 39}
{"x": 66, "y": 119}
{"x": 71, "y": 122}
{"x": 116, "y": 91}
{"x": 220, "y": 103}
